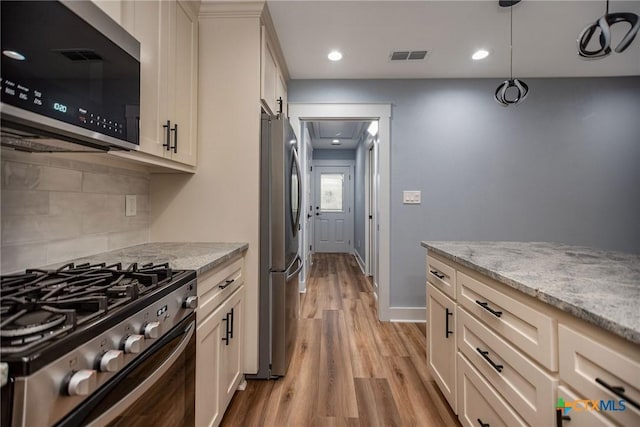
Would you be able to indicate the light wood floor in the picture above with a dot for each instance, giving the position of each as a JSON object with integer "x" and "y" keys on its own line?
{"x": 349, "y": 369}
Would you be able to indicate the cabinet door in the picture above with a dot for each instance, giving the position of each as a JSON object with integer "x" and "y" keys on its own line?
{"x": 182, "y": 84}
{"x": 209, "y": 336}
{"x": 441, "y": 343}
{"x": 269, "y": 73}
{"x": 231, "y": 357}
{"x": 150, "y": 25}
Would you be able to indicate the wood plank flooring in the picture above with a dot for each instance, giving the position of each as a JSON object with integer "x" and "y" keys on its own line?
{"x": 348, "y": 369}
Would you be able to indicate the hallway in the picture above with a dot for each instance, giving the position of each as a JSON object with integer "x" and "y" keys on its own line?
{"x": 348, "y": 368}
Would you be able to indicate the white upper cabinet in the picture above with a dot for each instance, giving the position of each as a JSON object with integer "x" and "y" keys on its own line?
{"x": 168, "y": 35}
{"x": 273, "y": 85}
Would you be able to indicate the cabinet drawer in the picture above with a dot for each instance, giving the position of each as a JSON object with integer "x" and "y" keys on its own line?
{"x": 442, "y": 276}
{"x": 528, "y": 329}
{"x": 479, "y": 403}
{"x": 527, "y": 387}
{"x": 215, "y": 286}
{"x": 587, "y": 365}
{"x": 580, "y": 418}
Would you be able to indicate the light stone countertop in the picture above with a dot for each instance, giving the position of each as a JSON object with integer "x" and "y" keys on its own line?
{"x": 598, "y": 286}
{"x": 200, "y": 256}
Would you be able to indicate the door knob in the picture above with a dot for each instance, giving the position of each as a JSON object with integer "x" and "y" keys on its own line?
{"x": 317, "y": 213}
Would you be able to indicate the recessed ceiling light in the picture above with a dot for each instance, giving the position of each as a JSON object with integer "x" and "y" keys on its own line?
{"x": 334, "y": 55}
{"x": 14, "y": 55}
{"x": 335, "y": 142}
{"x": 480, "y": 54}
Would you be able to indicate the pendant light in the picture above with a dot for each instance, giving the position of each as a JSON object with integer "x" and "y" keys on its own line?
{"x": 604, "y": 24}
{"x": 521, "y": 87}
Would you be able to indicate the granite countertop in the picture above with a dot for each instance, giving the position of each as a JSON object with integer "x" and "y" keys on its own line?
{"x": 201, "y": 256}
{"x": 598, "y": 286}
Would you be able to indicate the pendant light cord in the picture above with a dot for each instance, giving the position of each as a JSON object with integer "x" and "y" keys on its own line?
{"x": 607, "y": 12}
{"x": 511, "y": 41}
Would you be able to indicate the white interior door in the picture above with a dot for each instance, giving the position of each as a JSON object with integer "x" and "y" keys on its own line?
{"x": 333, "y": 209}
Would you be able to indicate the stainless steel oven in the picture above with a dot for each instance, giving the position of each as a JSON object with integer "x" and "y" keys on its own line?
{"x": 99, "y": 345}
{"x": 156, "y": 390}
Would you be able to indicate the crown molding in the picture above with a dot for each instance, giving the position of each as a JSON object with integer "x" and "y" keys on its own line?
{"x": 231, "y": 9}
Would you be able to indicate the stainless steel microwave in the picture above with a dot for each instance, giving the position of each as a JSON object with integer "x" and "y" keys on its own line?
{"x": 69, "y": 80}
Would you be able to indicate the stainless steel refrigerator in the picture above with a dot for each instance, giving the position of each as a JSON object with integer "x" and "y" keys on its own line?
{"x": 280, "y": 261}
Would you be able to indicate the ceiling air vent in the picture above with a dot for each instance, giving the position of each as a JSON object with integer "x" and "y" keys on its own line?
{"x": 408, "y": 55}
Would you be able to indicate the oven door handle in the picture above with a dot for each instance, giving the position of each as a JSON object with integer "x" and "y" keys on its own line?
{"x": 137, "y": 392}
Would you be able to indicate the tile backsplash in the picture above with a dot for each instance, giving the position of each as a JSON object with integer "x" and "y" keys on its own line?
{"x": 56, "y": 207}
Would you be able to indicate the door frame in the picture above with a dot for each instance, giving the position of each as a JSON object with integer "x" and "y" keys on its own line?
{"x": 351, "y": 164}
{"x": 382, "y": 112}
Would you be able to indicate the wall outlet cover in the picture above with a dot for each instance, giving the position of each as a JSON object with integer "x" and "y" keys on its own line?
{"x": 130, "y": 205}
{"x": 411, "y": 197}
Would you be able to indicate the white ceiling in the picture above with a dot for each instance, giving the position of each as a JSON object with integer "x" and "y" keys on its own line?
{"x": 544, "y": 38}
{"x": 350, "y": 133}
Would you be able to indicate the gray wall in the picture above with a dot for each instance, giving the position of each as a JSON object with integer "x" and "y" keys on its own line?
{"x": 563, "y": 166}
{"x": 324, "y": 154}
{"x": 359, "y": 210}
{"x": 55, "y": 208}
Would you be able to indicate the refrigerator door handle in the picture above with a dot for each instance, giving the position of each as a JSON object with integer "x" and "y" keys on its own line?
{"x": 297, "y": 270}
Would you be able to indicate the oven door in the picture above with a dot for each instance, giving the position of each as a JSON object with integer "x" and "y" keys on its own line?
{"x": 156, "y": 389}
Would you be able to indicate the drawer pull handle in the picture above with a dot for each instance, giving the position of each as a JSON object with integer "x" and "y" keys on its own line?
{"x": 618, "y": 391}
{"x": 483, "y": 424}
{"x": 227, "y": 283}
{"x": 560, "y": 417}
{"x": 485, "y": 305}
{"x": 485, "y": 355}
{"x": 446, "y": 323}
{"x": 438, "y": 275}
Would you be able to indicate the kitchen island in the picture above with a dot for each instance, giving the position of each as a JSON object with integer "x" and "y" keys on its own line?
{"x": 533, "y": 325}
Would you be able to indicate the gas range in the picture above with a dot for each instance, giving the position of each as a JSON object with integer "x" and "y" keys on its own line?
{"x": 67, "y": 333}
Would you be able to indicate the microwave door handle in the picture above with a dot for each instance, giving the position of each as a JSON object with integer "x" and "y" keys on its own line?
{"x": 144, "y": 386}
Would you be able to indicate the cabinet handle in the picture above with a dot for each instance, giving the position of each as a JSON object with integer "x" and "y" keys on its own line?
{"x": 280, "y": 102}
{"x": 226, "y": 330}
{"x": 438, "y": 275}
{"x": 618, "y": 391}
{"x": 167, "y": 135}
{"x": 485, "y": 355}
{"x": 483, "y": 424}
{"x": 227, "y": 283}
{"x": 446, "y": 323}
{"x": 560, "y": 417}
{"x": 231, "y": 327}
{"x": 485, "y": 305}
{"x": 175, "y": 138}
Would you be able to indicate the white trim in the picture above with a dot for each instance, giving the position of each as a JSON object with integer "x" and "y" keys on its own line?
{"x": 408, "y": 314}
{"x": 359, "y": 261}
{"x": 382, "y": 113}
{"x": 327, "y": 162}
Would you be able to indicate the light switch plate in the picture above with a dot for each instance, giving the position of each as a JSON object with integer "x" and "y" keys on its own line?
{"x": 411, "y": 197}
{"x": 130, "y": 205}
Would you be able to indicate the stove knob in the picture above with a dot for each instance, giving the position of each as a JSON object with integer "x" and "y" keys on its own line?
{"x": 111, "y": 361}
{"x": 152, "y": 330}
{"x": 190, "y": 302}
{"x": 82, "y": 382}
{"x": 133, "y": 344}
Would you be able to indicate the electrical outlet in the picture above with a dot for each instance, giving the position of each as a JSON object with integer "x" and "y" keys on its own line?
{"x": 130, "y": 205}
{"x": 411, "y": 197}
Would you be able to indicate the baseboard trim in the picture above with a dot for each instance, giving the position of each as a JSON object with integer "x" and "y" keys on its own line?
{"x": 408, "y": 314}
{"x": 359, "y": 261}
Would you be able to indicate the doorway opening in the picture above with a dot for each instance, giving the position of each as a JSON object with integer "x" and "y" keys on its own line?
{"x": 345, "y": 187}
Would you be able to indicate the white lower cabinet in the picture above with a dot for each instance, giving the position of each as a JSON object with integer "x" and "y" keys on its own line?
{"x": 441, "y": 347}
{"x": 581, "y": 416}
{"x": 220, "y": 338}
{"x": 518, "y": 358}
{"x": 479, "y": 404}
